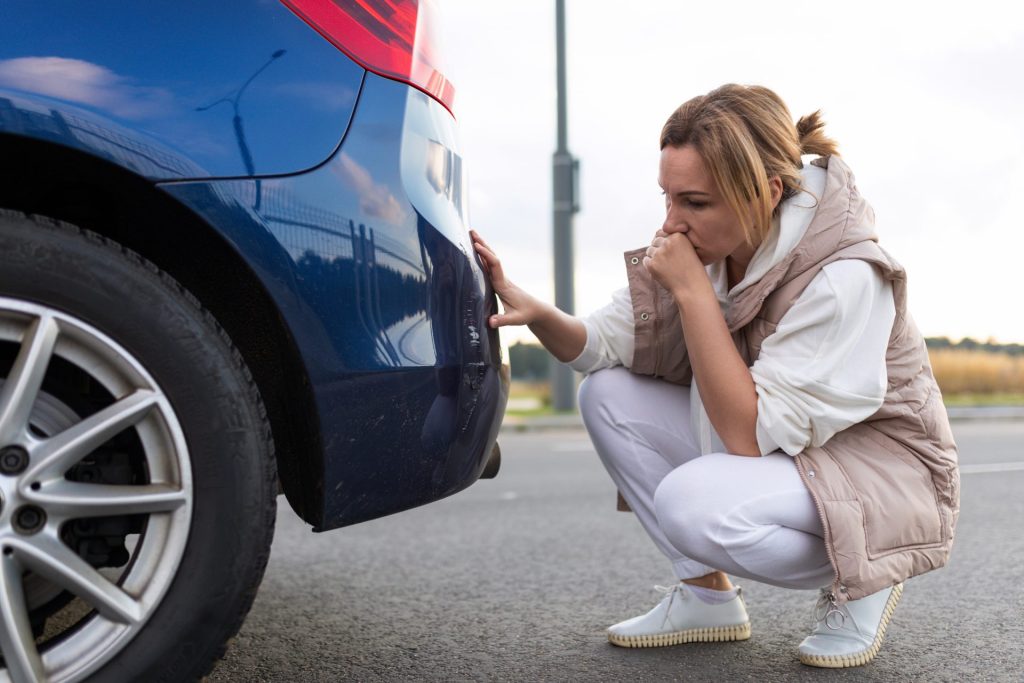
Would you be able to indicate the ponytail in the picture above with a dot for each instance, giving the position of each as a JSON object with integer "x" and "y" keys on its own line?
{"x": 811, "y": 132}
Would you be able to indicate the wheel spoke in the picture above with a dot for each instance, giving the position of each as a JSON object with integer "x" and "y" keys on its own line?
{"x": 19, "y": 391}
{"x": 48, "y": 418}
{"x": 16, "y": 641}
{"x": 70, "y": 499}
{"x": 51, "y": 559}
{"x": 54, "y": 456}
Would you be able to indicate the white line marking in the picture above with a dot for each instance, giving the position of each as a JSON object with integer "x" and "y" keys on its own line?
{"x": 992, "y": 467}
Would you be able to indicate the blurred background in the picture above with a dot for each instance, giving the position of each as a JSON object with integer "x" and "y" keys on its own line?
{"x": 925, "y": 100}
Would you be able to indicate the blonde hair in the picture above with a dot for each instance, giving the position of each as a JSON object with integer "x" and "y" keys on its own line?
{"x": 745, "y": 136}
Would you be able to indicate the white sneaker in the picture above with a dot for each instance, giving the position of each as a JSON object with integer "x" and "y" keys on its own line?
{"x": 848, "y": 634}
{"x": 682, "y": 617}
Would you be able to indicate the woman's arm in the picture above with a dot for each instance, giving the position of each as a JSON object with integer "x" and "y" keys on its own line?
{"x": 724, "y": 380}
{"x": 824, "y": 367}
{"x": 725, "y": 383}
{"x": 561, "y": 334}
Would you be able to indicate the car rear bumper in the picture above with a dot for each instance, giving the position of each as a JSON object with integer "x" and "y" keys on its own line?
{"x": 414, "y": 434}
{"x": 369, "y": 262}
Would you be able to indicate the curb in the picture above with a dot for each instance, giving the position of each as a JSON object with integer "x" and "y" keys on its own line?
{"x": 986, "y": 412}
{"x": 516, "y": 423}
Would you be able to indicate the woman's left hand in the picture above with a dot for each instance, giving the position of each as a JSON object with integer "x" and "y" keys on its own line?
{"x": 673, "y": 263}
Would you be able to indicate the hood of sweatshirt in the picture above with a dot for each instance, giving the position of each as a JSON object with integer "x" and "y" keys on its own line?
{"x": 842, "y": 218}
{"x": 788, "y": 227}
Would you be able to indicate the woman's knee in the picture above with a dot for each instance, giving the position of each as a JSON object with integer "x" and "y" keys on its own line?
{"x": 685, "y": 513}
{"x": 598, "y": 394}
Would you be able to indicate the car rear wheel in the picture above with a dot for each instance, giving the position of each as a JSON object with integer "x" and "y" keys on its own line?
{"x": 137, "y": 484}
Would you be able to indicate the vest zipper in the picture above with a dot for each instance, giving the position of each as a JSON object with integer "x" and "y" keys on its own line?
{"x": 836, "y": 586}
{"x": 657, "y": 335}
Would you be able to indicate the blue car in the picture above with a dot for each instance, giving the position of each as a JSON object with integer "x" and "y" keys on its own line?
{"x": 234, "y": 263}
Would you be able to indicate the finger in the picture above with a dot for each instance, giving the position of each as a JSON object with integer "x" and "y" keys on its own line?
{"x": 484, "y": 263}
{"x": 661, "y": 233}
{"x": 504, "y": 320}
{"x": 485, "y": 267}
{"x": 681, "y": 241}
{"x": 492, "y": 262}
{"x": 478, "y": 239}
{"x": 486, "y": 254}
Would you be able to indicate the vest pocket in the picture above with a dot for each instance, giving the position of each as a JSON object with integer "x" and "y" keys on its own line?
{"x": 897, "y": 496}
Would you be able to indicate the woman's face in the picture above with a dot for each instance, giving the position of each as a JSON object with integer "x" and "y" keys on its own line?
{"x": 694, "y": 207}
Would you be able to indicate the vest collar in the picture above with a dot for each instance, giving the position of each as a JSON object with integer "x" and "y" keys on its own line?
{"x": 842, "y": 218}
{"x": 788, "y": 228}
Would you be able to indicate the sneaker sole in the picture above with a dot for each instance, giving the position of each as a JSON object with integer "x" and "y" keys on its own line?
{"x": 865, "y": 656}
{"x": 715, "y": 634}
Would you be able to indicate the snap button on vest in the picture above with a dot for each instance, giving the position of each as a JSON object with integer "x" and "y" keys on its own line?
{"x": 634, "y": 260}
{"x": 644, "y": 316}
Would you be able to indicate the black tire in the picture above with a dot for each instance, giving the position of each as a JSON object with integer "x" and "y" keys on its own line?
{"x": 230, "y": 448}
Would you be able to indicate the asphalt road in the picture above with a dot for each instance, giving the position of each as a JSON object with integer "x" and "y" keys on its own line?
{"x": 516, "y": 579}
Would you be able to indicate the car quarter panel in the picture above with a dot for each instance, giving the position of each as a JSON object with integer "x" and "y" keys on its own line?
{"x": 172, "y": 90}
{"x": 387, "y": 304}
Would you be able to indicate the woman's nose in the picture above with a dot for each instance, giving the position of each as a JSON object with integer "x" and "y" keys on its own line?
{"x": 672, "y": 225}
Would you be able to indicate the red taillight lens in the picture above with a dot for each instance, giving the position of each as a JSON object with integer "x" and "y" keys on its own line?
{"x": 388, "y": 37}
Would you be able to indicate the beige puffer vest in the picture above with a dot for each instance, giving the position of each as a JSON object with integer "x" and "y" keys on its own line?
{"x": 887, "y": 488}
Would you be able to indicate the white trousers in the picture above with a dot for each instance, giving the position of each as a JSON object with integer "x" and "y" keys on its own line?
{"x": 750, "y": 517}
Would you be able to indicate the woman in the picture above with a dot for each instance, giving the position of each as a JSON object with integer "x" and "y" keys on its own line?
{"x": 759, "y": 393}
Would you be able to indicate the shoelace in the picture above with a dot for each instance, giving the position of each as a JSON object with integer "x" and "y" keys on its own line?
{"x": 671, "y": 592}
{"x": 827, "y": 609}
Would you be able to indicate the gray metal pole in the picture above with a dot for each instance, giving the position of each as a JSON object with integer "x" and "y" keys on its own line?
{"x": 564, "y": 175}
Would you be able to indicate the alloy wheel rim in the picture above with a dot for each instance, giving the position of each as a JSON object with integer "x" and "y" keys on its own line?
{"x": 32, "y": 548}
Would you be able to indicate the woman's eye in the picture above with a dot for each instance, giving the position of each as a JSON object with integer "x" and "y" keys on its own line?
{"x": 697, "y": 205}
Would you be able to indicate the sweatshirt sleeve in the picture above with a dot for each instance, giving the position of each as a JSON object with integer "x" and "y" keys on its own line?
{"x": 824, "y": 369}
{"x": 609, "y": 336}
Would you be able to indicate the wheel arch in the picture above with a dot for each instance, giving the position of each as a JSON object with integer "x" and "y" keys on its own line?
{"x": 44, "y": 178}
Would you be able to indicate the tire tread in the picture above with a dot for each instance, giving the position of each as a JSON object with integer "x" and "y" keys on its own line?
{"x": 232, "y": 625}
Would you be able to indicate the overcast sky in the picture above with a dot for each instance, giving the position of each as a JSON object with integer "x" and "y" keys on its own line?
{"x": 925, "y": 99}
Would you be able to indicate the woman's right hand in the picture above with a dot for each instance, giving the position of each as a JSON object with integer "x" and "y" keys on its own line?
{"x": 520, "y": 307}
{"x": 560, "y": 333}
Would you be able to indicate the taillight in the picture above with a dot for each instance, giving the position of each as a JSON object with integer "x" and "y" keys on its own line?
{"x": 392, "y": 38}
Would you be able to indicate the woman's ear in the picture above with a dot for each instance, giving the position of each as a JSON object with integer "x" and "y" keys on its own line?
{"x": 775, "y": 190}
